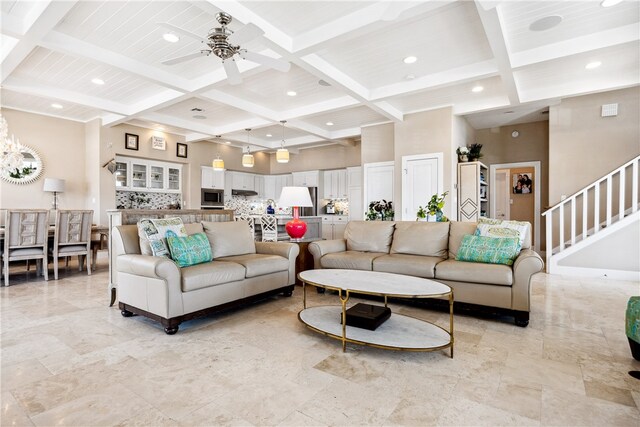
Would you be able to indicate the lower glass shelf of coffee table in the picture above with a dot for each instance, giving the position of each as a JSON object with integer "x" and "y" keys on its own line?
{"x": 399, "y": 332}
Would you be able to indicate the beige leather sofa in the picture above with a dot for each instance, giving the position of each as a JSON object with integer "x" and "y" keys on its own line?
{"x": 428, "y": 249}
{"x": 241, "y": 271}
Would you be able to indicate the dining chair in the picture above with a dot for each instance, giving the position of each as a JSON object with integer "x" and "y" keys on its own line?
{"x": 99, "y": 243}
{"x": 269, "y": 225}
{"x": 26, "y": 237}
{"x": 72, "y": 237}
{"x": 249, "y": 220}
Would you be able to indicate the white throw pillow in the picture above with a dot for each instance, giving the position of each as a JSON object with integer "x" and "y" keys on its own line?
{"x": 153, "y": 235}
{"x": 489, "y": 227}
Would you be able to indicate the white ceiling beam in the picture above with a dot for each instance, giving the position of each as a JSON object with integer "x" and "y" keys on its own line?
{"x": 587, "y": 43}
{"x": 221, "y": 97}
{"x": 60, "y": 42}
{"x": 41, "y": 24}
{"x": 179, "y": 123}
{"x": 40, "y": 90}
{"x": 467, "y": 73}
{"x": 196, "y": 137}
{"x": 252, "y": 123}
{"x": 345, "y": 133}
{"x": 334, "y": 104}
{"x": 492, "y": 23}
{"x": 109, "y": 118}
{"x": 11, "y": 25}
{"x": 580, "y": 87}
{"x": 309, "y": 128}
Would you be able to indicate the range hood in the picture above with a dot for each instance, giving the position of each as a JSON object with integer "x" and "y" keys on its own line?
{"x": 243, "y": 193}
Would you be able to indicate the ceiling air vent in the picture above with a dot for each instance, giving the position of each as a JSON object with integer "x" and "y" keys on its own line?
{"x": 197, "y": 109}
{"x": 610, "y": 110}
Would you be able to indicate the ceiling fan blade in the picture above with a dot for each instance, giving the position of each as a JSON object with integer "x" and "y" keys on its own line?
{"x": 233, "y": 73}
{"x": 258, "y": 58}
{"x": 181, "y": 31}
{"x": 245, "y": 34}
{"x": 184, "y": 58}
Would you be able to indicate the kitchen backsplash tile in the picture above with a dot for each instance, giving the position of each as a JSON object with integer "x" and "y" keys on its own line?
{"x": 144, "y": 200}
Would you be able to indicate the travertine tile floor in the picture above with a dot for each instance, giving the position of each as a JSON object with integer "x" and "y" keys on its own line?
{"x": 68, "y": 359}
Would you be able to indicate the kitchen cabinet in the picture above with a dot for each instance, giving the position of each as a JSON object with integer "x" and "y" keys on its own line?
{"x": 306, "y": 179}
{"x": 212, "y": 178}
{"x": 354, "y": 193}
{"x": 241, "y": 180}
{"x": 258, "y": 185}
{"x": 335, "y": 184}
{"x": 473, "y": 199}
{"x": 147, "y": 175}
{"x": 273, "y": 185}
{"x": 354, "y": 176}
{"x": 333, "y": 226}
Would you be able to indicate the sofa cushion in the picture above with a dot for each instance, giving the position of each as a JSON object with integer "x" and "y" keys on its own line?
{"x": 193, "y": 228}
{"x": 411, "y": 265}
{"x": 154, "y": 232}
{"x": 190, "y": 250}
{"x": 490, "y": 250}
{"x": 421, "y": 238}
{"x": 369, "y": 236}
{"x": 353, "y": 260}
{"x": 474, "y": 272}
{"x": 457, "y": 230}
{"x": 260, "y": 264}
{"x": 210, "y": 274}
{"x": 229, "y": 238}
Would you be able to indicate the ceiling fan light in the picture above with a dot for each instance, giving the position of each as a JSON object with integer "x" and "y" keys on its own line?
{"x": 248, "y": 160}
{"x": 282, "y": 155}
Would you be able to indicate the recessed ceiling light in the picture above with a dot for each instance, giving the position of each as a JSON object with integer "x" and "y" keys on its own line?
{"x": 170, "y": 37}
{"x": 477, "y": 89}
{"x": 609, "y": 3}
{"x": 592, "y": 65}
{"x": 57, "y": 106}
{"x": 97, "y": 81}
{"x": 545, "y": 23}
{"x": 199, "y": 117}
{"x": 410, "y": 77}
{"x": 269, "y": 135}
{"x": 329, "y": 123}
{"x": 410, "y": 59}
{"x": 292, "y": 93}
{"x": 227, "y": 142}
{"x": 160, "y": 128}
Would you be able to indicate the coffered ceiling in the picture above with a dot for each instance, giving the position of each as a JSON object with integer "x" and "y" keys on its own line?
{"x": 495, "y": 62}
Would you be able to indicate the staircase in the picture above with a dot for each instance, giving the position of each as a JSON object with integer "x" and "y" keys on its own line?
{"x": 598, "y": 210}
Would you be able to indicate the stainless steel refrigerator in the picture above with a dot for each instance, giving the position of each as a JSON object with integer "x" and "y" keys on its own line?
{"x": 313, "y": 210}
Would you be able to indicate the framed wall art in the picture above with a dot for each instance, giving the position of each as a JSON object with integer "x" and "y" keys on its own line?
{"x": 181, "y": 150}
{"x": 522, "y": 183}
{"x": 158, "y": 143}
{"x": 130, "y": 141}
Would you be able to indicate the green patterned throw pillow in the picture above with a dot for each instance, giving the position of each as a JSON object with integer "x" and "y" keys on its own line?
{"x": 190, "y": 250}
{"x": 153, "y": 234}
{"x": 490, "y": 250}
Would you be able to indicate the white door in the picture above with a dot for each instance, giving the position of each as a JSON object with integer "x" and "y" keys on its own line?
{"x": 503, "y": 194}
{"x": 422, "y": 177}
{"x": 356, "y": 210}
{"x": 378, "y": 182}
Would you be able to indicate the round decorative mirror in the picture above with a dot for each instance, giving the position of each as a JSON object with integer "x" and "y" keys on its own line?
{"x": 21, "y": 168}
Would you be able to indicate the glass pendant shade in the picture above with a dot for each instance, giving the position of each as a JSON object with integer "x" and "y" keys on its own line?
{"x": 218, "y": 164}
{"x": 282, "y": 155}
{"x": 247, "y": 160}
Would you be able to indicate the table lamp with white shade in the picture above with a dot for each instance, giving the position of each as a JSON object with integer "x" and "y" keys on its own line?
{"x": 55, "y": 186}
{"x": 295, "y": 197}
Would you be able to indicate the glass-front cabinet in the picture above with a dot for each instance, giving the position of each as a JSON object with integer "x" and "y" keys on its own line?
{"x": 147, "y": 175}
{"x": 122, "y": 175}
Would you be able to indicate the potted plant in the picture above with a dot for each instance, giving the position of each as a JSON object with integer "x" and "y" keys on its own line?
{"x": 380, "y": 210}
{"x": 463, "y": 154}
{"x": 474, "y": 152}
{"x": 435, "y": 206}
{"x": 421, "y": 215}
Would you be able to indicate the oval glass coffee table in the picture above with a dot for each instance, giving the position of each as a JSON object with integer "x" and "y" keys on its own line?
{"x": 399, "y": 332}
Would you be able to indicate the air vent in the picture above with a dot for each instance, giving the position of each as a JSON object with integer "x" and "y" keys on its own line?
{"x": 610, "y": 110}
{"x": 199, "y": 117}
{"x": 196, "y": 109}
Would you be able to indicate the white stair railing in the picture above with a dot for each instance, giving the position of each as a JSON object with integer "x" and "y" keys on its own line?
{"x": 588, "y": 202}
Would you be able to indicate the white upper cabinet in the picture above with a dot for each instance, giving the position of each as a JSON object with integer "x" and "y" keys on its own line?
{"x": 147, "y": 175}
{"x": 242, "y": 180}
{"x": 212, "y": 178}
{"x": 335, "y": 184}
{"x": 306, "y": 179}
{"x": 354, "y": 176}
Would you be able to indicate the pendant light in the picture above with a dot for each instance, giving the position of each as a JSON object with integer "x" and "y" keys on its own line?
{"x": 282, "y": 155}
{"x": 247, "y": 159}
{"x": 218, "y": 163}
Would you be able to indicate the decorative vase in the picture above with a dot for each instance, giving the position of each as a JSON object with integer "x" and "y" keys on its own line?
{"x": 431, "y": 218}
{"x": 463, "y": 158}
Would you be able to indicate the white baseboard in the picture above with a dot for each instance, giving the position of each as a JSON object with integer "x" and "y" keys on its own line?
{"x": 633, "y": 276}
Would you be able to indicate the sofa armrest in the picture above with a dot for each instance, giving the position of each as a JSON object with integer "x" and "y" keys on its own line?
{"x": 150, "y": 283}
{"x": 525, "y": 266}
{"x": 283, "y": 249}
{"x": 323, "y": 247}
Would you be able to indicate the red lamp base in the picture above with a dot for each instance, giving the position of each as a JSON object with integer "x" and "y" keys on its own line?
{"x": 296, "y": 228}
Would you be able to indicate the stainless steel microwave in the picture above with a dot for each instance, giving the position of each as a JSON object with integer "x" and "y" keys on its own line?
{"x": 211, "y": 197}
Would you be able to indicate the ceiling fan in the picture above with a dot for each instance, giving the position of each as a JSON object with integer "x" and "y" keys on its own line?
{"x": 225, "y": 44}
